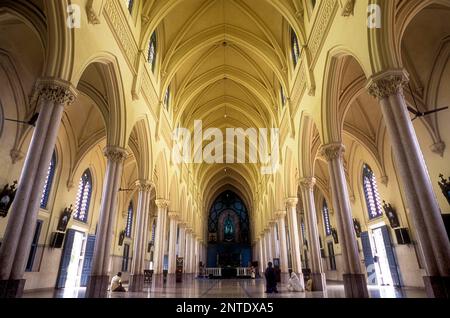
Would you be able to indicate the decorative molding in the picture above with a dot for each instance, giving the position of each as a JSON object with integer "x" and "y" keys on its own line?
{"x": 174, "y": 215}
{"x": 348, "y": 7}
{"x": 307, "y": 183}
{"x": 332, "y": 151}
{"x": 16, "y": 156}
{"x": 115, "y": 154}
{"x": 291, "y": 202}
{"x": 280, "y": 214}
{"x": 385, "y": 84}
{"x": 144, "y": 185}
{"x": 56, "y": 91}
{"x": 384, "y": 180}
{"x": 438, "y": 148}
{"x": 162, "y": 203}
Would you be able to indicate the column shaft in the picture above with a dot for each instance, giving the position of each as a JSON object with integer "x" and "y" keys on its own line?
{"x": 172, "y": 242}
{"x": 283, "y": 241}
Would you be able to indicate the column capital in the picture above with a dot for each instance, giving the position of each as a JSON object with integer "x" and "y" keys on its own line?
{"x": 115, "y": 154}
{"x": 162, "y": 203}
{"x": 144, "y": 185}
{"x": 188, "y": 230}
{"x": 307, "y": 183}
{"x": 292, "y": 202}
{"x": 174, "y": 215}
{"x": 182, "y": 224}
{"x": 387, "y": 83}
{"x": 332, "y": 151}
{"x": 280, "y": 214}
{"x": 56, "y": 90}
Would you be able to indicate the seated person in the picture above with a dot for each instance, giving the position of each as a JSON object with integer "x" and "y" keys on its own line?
{"x": 294, "y": 284}
{"x": 116, "y": 283}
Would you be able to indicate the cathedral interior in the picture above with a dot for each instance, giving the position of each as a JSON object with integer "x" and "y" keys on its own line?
{"x": 99, "y": 97}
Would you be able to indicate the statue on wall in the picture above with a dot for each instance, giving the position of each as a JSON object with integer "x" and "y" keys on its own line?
{"x": 445, "y": 187}
{"x": 121, "y": 237}
{"x": 335, "y": 236}
{"x": 7, "y": 197}
{"x": 228, "y": 231}
{"x": 357, "y": 227}
{"x": 391, "y": 214}
{"x": 64, "y": 219}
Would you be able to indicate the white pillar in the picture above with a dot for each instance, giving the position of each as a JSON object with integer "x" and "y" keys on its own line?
{"x": 318, "y": 276}
{"x": 274, "y": 241}
{"x": 140, "y": 229}
{"x": 295, "y": 239}
{"x": 53, "y": 96}
{"x": 188, "y": 251}
{"x": 182, "y": 241}
{"x": 267, "y": 237}
{"x": 158, "y": 258}
{"x": 354, "y": 280}
{"x": 283, "y": 241}
{"x": 262, "y": 265}
{"x": 173, "y": 216}
{"x": 414, "y": 178}
{"x": 99, "y": 278}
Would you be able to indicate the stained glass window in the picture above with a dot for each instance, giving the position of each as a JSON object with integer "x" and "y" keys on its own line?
{"x": 83, "y": 197}
{"x": 295, "y": 47}
{"x": 129, "y": 4}
{"x": 152, "y": 51}
{"x": 326, "y": 218}
{"x": 48, "y": 182}
{"x": 129, "y": 226}
{"x": 373, "y": 200}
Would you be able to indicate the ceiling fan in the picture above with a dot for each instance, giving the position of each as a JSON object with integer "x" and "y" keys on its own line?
{"x": 417, "y": 113}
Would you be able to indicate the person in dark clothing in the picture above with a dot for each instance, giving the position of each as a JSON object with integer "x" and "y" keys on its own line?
{"x": 271, "y": 279}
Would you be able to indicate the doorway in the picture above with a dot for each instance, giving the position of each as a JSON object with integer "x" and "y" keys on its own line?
{"x": 381, "y": 262}
{"x": 76, "y": 260}
{"x": 379, "y": 257}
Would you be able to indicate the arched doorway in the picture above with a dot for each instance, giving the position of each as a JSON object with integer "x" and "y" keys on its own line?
{"x": 228, "y": 233}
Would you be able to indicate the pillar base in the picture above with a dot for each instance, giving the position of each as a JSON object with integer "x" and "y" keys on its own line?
{"x": 97, "y": 286}
{"x": 136, "y": 283}
{"x": 12, "y": 288}
{"x": 355, "y": 286}
{"x": 319, "y": 282}
{"x": 437, "y": 286}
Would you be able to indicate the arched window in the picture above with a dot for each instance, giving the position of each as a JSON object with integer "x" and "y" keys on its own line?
{"x": 48, "y": 182}
{"x": 83, "y": 197}
{"x": 167, "y": 98}
{"x": 295, "y": 47}
{"x": 129, "y": 226}
{"x": 152, "y": 50}
{"x": 283, "y": 97}
{"x": 153, "y": 232}
{"x": 326, "y": 218}
{"x": 373, "y": 200}
{"x": 129, "y": 4}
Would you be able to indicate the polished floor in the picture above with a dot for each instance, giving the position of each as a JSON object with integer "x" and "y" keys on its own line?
{"x": 206, "y": 288}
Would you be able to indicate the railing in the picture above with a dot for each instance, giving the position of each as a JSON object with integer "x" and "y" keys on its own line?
{"x": 243, "y": 271}
{"x": 214, "y": 271}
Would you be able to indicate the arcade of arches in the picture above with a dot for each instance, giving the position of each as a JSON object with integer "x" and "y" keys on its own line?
{"x": 356, "y": 199}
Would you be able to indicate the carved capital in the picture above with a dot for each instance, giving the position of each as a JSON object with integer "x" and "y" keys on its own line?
{"x": 332, "y": 151}
{"x": 162, "y": 203}
{"x": 56, "y": 91}
{"x": 16, "y": 156}
{"x": 115, "y": 154}
{"x": 438, "y": 148}
{"x": 291, "y": 202}
{"x": 280, "y": 214}
{"x": 385, "y": 84}
{"x": 144, "y": 185}
{"x": 307, "y": 183}
{"x": 174, "y": 215}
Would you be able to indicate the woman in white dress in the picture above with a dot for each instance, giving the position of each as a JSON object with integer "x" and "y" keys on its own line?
{"x": 294, "y": 284}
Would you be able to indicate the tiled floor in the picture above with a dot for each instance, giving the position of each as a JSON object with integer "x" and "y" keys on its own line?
{"x": 205, "y": 288}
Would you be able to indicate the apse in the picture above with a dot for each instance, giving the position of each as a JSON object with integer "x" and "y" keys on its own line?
{"x": 228, "y": 232}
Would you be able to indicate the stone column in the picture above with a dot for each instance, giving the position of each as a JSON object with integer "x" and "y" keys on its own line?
{"x": 273, "y": 239}
{"x": 158, "y": 257}
{"x": 282, "y": 241}
{"x": 318, "y": 276}
{"x": 141, "y": 226}
{"x": 192, "y": 249}
{"x": 354, "y": 279}
{"x": 188, "y": 251}
{"x": 268, "y": 245}
{"x": 53, "y": 96}
{"x": 261, "y": 252}
{"x": 99, "y": 279}
{"x": 173, "y": 216}
{"x": 182, "y": 241}
{"x": 415, "y": 179}
{"x": 295, "y": 240}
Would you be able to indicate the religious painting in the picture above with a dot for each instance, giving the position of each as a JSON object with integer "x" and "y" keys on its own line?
{"x": 445, "y": 187}
{"x": 6, "y": 198}
{"x": 391, "y": 214}
{"x": 64, "y": 219}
